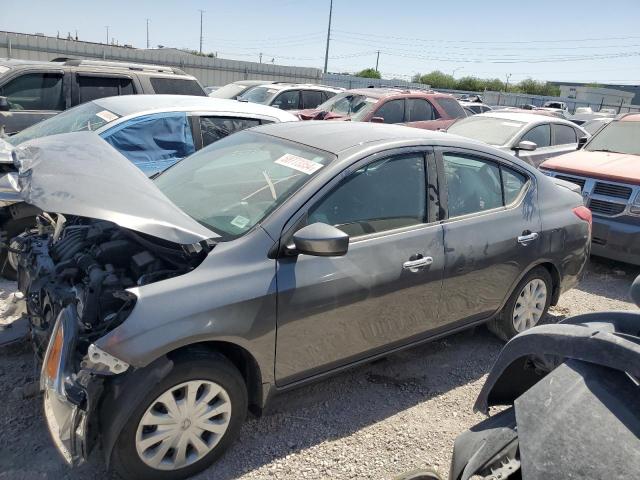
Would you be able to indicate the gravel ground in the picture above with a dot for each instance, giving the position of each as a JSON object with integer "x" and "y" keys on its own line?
{"x": 376, "y": 421}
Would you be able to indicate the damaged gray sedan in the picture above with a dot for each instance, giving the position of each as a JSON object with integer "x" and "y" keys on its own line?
{"x": 168, "y": 309}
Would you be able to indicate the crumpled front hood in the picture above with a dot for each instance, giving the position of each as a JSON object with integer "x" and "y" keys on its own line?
{"x": 618, "y": 167}
{"x": 80, "y": 174}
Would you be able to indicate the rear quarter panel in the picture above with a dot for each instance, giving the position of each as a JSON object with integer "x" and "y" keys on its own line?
{"x": 565, "y": 237}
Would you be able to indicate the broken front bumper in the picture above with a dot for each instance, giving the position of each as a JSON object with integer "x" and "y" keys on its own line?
{"x": 65, "y": 400}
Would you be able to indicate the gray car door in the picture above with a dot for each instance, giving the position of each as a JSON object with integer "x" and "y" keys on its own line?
{"x": 384, "y": 292}
{"x": 492, "y": 233}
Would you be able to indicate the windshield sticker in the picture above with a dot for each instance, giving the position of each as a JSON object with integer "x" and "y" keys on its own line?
{"x": 511, "y": 124}
{"x": 107, "y": 116}
{"x": 298, "y": 163}
{"x": 240, "y": 221}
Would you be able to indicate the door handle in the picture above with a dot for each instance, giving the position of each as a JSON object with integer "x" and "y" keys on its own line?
{"x": 528, "y": 238}
{"x": 416, "y": 265}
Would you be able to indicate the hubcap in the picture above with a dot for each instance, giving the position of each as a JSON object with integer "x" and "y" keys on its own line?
{"x": 183, "y": 425}
{"x": 530, "y": 305}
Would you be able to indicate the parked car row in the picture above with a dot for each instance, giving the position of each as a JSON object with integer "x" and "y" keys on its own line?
{"x": 180, "y": 275}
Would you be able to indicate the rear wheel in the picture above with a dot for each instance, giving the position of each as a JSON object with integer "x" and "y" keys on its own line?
{"x": 527, "y": 305}
{"x": 185, "y": 423}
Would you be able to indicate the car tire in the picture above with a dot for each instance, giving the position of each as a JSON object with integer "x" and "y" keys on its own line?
{"x": 212, "y": 371}
{"x": 12, "y": 228}
{"x": 526, "y": 305}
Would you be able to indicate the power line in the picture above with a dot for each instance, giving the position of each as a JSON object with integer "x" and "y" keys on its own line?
{"x": 512, "y": 42}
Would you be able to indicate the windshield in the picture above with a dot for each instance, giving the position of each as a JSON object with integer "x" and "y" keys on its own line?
{"x": 620, "y": 137}
{"x": 259, "y": 95}
{"x": 88, "y": 116}
{"x": 491, "y": 130}
{"x": 234, "y": 183}
{"x": 349, "y": 104}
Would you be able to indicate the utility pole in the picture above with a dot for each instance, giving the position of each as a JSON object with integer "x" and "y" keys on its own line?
{"x": 107, "y": 27}
{"x": 260, "y": 57}
{"x": 326, "y": 54}
{"x": 201, "y": 13}
{"x": 147, "y": 33}
{"x": 377, "y": 60}
{"x": 506, "y": 85}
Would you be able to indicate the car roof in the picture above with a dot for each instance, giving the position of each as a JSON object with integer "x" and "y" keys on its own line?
{"x": 250, "y": 83}
{"x": 382, "y": 92}
{"x": 631, "y": 117}
{"x": 529, "y": 118}
{"x": 124, "y": 105}
{"x": 336, "y": 137}
{"x": 302, "y": 86}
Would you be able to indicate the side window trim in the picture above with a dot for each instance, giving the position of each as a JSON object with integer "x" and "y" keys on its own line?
{"x": 299, "y": 218}
{"x": 501, "y": 163}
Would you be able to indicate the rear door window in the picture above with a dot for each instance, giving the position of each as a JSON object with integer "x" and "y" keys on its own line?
{"x": 513, "y": 183}
{"x": 289, "y": 100}
{"x": 540, "y": 135}
{"x": 34, "y": 91}
{"x": 391, "y": 111}
{"x": 451, "y": 107}
{"x": 93, "y": 87}
{"x": 311, "y": 98}
{"x": 176, "y": 86}
{"x": 563, "y": 135}
{"x": 473, "y": 185}
{"x": 419, "y": 110}
{"x": 215, "y": 128}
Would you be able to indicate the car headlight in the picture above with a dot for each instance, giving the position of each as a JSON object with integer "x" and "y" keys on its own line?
{"x": 53, "y": 357}
{"x": 635, "y": 206}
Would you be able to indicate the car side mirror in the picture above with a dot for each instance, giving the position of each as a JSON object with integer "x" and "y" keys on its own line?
{"x": 526, "y": 146}
{"x": 4, "y": 104}
{"x": 581, "y": 142}
{"x": 377, "y": 120}
{"x": 321, "y": 240}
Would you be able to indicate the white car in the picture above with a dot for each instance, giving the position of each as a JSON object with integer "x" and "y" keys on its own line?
{"x": 534, "y": 137}
{"x": 290, "y": 96}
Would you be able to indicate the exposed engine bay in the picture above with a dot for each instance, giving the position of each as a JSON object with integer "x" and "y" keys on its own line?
{"x": 91, "y": 263}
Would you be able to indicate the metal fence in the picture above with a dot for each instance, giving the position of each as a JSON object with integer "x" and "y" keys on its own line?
{"x": 510, "y": 99}
{"x": 351, "y": 81}
{"x": 209, "y": 70}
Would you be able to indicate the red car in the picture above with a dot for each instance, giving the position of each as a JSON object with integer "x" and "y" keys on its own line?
{"x": 414, "y": 108}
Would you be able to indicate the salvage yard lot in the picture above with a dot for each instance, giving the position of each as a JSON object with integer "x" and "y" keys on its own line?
{"x": 376, "y": 421}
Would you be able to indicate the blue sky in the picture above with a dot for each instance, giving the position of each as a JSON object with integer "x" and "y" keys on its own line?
{"x": 564, "y": 40}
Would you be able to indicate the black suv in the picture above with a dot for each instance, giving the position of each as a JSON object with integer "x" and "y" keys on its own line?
{"x": 32, "y": 91}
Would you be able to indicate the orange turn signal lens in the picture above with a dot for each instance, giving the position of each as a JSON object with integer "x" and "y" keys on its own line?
{"x": 53, "y": 358}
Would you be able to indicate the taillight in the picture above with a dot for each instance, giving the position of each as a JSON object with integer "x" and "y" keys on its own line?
{"x": 583, "y": 213}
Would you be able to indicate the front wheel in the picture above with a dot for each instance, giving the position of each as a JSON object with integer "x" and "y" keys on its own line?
{"x": 527, "y": 305}
{"x": 185, "y": 423}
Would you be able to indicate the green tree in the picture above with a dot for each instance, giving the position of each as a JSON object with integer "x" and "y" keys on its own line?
{"x": 438, "y": 79}
{"x": 534, "y": 87}
{"x": 369, "y": 73}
